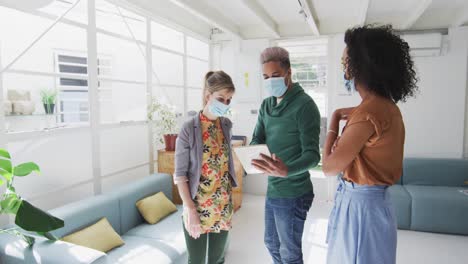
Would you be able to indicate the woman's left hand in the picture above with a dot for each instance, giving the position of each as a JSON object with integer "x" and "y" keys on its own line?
{"x": 343, "y": 113}
{"x": 273, "y": 166}
{"x": 335, "y": 145}
{"x": 338, "y": 115}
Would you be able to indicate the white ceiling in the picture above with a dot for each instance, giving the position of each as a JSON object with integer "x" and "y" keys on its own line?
{"x": 281, "y": 19}
{"x": 444, "y": 12}
{"x": 282, "y": 11}
{"x": 236, "y": 13}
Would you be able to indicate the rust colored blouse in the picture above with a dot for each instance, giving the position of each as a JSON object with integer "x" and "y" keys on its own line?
{"x": 380, "y": 162}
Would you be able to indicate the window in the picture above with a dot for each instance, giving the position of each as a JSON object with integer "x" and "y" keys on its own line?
{"x": 38, "y": 69}
{"x": 197, "y": 48}
{"x": 172, "y": 95}
{"x": 197, "y": 67}
{"x": 309, "y": 68}
{"x": 112, "y": 18}
{"x": 310, "y": 75}
{"x": 122, "y": 102}
{"x": 128, "y": 61}
{"x": 168, "y": 68}
{"x": 122, "y": 89}
{"x": 195, "y": 100}
{"x": 73, "y": 104}
{"x": 172, "y": 84}
{"x": 78, "y": 13}
{"x": 167, "y": 38}
{"x": 59, "y": 61}
{"x": 196, "y": 71}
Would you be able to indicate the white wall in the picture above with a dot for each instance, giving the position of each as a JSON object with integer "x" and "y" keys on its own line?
{"x": 435, "y": 118}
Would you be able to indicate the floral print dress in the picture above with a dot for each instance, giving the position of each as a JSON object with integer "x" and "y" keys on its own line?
{"x": 213, "y": 198}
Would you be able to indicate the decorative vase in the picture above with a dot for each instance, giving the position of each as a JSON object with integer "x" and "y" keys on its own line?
{"x": 170, "y": 141}
{"x": 49, "y": 108}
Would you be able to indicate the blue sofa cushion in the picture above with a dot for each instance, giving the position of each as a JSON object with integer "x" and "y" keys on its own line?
{"x": 131, "y": 193}
{"x": 401, "y": 201}
{"x": 435, "y": 172}
{"x": 168, "y": 229}
{"x": 86, "y": 212}
{"x": 439, "y": 209}
{"x": 13, "y": 250}
{"x": 144, "y": 250}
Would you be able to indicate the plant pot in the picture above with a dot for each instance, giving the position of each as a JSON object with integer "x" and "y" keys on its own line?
{"x": 170, "y": 141}
{"x": 49, "y": 108}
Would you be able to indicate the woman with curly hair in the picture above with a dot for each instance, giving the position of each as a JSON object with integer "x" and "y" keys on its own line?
{"x": 362, "y": 226}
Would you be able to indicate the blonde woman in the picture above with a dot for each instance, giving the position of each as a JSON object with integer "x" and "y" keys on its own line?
{"x": 204, "y": 172}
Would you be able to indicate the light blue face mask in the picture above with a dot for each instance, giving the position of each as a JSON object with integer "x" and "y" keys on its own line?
{"x": 217, "y": 108}
{"x": 275, "y": 86}
{"x": 349, "y": 84}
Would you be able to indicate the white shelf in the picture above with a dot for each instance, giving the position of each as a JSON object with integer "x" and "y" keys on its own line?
{"x": 32, "y": 115}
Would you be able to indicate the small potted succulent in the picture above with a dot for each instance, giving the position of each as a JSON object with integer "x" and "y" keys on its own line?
{"x": 48, "y": 97}
{"x": 163, "y": 119}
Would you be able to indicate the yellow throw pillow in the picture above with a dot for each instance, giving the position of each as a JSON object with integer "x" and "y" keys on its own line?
{"x": 156, "y": 207}
{"x": 100, "y": 236}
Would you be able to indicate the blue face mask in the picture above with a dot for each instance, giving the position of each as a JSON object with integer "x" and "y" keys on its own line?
{"x": 349, "y": 84}
{"x": 217, "y": 108}
{"x": 275, "y": 86}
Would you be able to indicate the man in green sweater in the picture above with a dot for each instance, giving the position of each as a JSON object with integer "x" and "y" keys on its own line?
{"x": 289, "y": 123}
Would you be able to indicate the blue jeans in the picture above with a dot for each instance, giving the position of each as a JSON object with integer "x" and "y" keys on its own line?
{"x": 284, "y": 225}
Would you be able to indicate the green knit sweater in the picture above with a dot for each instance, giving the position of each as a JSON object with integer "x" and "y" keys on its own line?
{"x": 291, "y": 130}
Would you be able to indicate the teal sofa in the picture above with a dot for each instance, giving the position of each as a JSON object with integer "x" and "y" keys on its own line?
{"x": 160, "y": 243}
{"x": 428, "y": 198}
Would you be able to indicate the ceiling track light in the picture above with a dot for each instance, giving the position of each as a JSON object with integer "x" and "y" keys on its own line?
{"x": 302, "y": 11}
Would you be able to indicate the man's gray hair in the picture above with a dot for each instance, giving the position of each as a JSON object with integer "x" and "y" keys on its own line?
{"x": 277, "y": 54}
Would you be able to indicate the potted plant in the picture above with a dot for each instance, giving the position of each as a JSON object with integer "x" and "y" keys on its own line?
{"x": 48, "y": 97}
{"x": 28, "y": 218}
{"x": 163, "y": 118}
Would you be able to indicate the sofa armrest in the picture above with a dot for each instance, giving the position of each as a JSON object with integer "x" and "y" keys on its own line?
{"x": 13, "y": 250}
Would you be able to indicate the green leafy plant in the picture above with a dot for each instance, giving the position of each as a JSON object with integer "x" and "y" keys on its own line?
{"x": 27, "y": 217}
{"x": 48, "y": 96}
{"x": 163, "y": 118}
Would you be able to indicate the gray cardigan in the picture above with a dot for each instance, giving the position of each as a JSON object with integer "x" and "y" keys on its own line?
{"x": 189, "y": 153}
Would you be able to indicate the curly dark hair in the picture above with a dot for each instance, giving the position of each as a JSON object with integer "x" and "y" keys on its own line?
{"x": 380, "y": 60}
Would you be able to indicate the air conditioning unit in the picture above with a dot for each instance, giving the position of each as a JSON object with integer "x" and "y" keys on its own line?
{"x": 424, "y": 45}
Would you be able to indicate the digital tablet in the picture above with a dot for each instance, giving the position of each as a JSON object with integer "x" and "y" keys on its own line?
{"x": 248, "y": 153}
